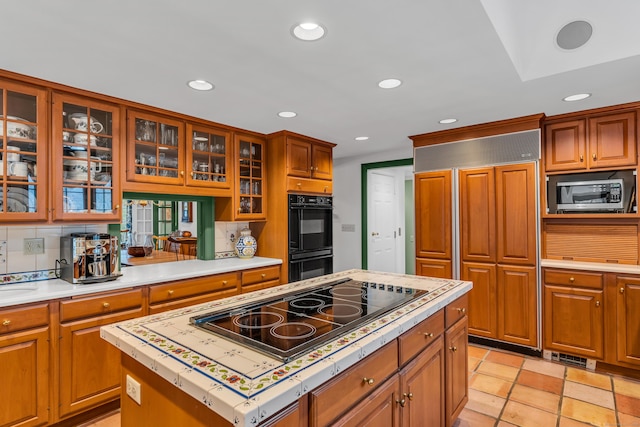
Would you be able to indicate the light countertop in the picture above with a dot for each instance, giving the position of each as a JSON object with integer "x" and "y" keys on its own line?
{"x": 591, "y": 266}
{"x": 245, "y": 386}
{"x": 22, "y": 293}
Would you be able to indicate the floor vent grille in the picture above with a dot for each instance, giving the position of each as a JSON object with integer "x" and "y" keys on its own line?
{"x": 569, "y": 359}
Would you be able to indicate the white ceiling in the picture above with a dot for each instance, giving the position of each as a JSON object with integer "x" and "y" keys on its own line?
{"x": 477, "y": 61}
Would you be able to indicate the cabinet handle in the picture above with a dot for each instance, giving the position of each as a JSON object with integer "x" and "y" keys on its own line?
{"x": 368, "y": 380}
{"x": 117, "y": 208}
{"x": 311, "y": 168}
{"x": 239, "y": 210}
{"x": 7, "y": 322}
{"x": 622, "y": 290}
{"x": 409, "y": 395}
{"x": 170, "y": 292}
{"x": 106, "y": 305}
{"x": 597, "y": 303}
{"x": 453, "y": 348}
{"x": 181, "y": 173}
{"x": 462, "y": 310}
{"x": 572, "y": 279}
{"x": 193, "y": 174}
{"x": 299, "y": 184}
{"x": 224, "y": 282}
{"x": 263, "y": 275}
{"x": 402, "y": 402}
{"x": 581, "y": 158}
{"x": 594, "y": 156}
{"x": 428, "y": 334}
{"x": 325, "y": 188}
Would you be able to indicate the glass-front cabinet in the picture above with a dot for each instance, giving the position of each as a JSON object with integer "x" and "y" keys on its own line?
{"x": 155, "y": 149}
{"x": 208, "y": 157}
{"x": 23, "y": 149}
{"x": 85, "y": 143}
{"x": 251, "y": 182}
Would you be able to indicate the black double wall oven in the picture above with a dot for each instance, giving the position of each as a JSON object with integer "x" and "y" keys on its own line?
{"x": 310, "y": 236}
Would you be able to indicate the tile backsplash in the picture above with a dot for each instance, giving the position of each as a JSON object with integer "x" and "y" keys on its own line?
{"x": 15, "y": 266}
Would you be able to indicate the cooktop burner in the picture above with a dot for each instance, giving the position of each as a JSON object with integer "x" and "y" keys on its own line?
{"x": 296, "y": 322}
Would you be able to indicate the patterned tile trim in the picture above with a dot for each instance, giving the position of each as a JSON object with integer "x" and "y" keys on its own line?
{"x": 27, "y": 276}
{"x": 228, "y": 254}
{"x": 245, "y": 385}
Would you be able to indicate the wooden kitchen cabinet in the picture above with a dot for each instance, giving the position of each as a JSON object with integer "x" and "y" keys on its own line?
{"x": 24, "y": 365}
{"x": 90, "y": 366}
{"x": 379, "y": 409}
{"x": 517, "y": 304}
{"x": 24, "y": 142}
{"x": 260, "y": 278}
{"x": 209, "y": 157}
{"x": 434, "y": 268}
{"x": 86, "y": 143}
{"x": 478, "y": 215}
{"x": 456, "y": 374}
{"x": 184, "y": 293}
{"x": 603, "y": 141}
{"x": 627, "y": 319}
{"x": 574, "y": 312}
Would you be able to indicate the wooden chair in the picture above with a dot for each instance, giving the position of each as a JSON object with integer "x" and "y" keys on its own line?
{"x": 187, "y": 246}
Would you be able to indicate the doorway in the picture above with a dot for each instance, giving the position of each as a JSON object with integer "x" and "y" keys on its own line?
{"x": 388, "y": 242}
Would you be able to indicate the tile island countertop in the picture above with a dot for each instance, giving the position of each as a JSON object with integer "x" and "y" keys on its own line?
{"x": 245, "y": 386}
{"x": 44, "y": 290}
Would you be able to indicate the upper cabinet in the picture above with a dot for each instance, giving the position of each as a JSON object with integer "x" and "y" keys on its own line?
{"x": 208, "y": 159}
{"x": 23, "y": 148}
{"x": 155, "y": 149}
{"x": 309, "y": 159}
{"x": 606, "y": 141}
{"x": 85, "y": 141}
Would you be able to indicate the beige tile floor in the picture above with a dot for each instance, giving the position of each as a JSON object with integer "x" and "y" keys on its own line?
{"x": 508, "y": 389}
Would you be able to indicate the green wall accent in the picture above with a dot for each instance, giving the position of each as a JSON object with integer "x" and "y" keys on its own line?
{"x": 409, "y": 229}
{"x": 363, "y": 191}
{"x": 206, "y": 219}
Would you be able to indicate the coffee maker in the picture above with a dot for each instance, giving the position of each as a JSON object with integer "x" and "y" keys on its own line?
{"x": 88, "y": 258}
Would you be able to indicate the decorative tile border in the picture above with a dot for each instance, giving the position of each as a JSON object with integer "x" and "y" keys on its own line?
{"x": 27, "y": 276}
{"x": 227, "y": 254}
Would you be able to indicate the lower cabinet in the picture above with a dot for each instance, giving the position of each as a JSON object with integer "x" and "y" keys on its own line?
{"x": 89, "y": 366}
{"x": 628, "y": 320}
{"x": 434, "y": 268}
{"x": 456, "y": 362}
{"x": 379, "y": 409}
{"x": 260, "y": 278}
{"x": 24, "y": 366}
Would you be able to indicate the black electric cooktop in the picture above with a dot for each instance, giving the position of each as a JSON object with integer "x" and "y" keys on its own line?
{"x": 297, "y": 322}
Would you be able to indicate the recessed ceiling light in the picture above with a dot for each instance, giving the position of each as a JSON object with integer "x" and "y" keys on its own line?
{"x": 361, "y": 138}
{"x": 287, "y": 114}
{"x": 389, "y": 83}
{"x": 200, "y": 85}
{"x": 447, "y": 121}
{"x": 308, "y": 31}
{"x": 576, "y": 97}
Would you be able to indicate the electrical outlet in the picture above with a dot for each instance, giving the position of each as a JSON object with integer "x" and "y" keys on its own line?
{"x": 34, "y": 246}
{"x": 3, "y": 251}
{"x": 133, "y": 389}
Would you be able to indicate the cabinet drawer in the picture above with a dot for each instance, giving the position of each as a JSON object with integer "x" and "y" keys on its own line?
{"x": 185, "y": 302}
{"x": 17, "y": 319}
{"x": 106, "y": 303}
{"x": 333, "y": 398}
{"x": 456, "y": 310}
{"x": 573, "y": 278}
{"x": 187, "y": 288}
{"x": 260, "y": 275}
{"x": 420, "y": 336}
{"x": 306, "y": 185}
{"x": 260, "y": 285}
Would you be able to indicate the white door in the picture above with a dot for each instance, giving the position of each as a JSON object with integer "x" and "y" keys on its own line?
{"x": 142, "y": 221}
{"x": 382, "y": 221}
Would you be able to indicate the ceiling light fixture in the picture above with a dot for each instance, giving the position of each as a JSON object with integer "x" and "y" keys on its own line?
{"x": 200, "y": 85}
{"x": 308, "y": 31}
{"x": 574, "y": 35}
{"x": 447, "y": 121}
{"x": 389, "y": 83}
{"x": 361, "y": 138}
{"x": 287, "y": 114}
{"x": 576, "y": 97}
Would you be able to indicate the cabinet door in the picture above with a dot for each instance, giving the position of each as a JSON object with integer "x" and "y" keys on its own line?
{"x": 516, "y": 214}
{"x": 89, "y": 366}
{"x": 433, "y": 214}
{"x": 612, "y": 140}
{"x": 573, "y": 321}
{"x": 251, "y": 182}
{"x": 477, "y": 215}
{"x": 155, "y": 149}
{"x": 482, "y": 298}
{"x": 628, "y": 320}
{"x": 86, "y": 144}
{"x": 380, "y": 409}
{"x": 565, "y": 146}
{"x": 24, "y": 369}
{"x": 24, "y": 140}
{"x": 208, "y": 155}
{"x": 322, "y": 162}
{"x": 298, "y": 158}
{"x": 457, "y": 376}
{"x": 518, "y": 305}
{"x": 434, "y": 268}
{"x": 422, "y": 387}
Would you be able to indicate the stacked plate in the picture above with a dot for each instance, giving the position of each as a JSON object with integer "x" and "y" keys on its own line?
{"x": 17, "y": 200}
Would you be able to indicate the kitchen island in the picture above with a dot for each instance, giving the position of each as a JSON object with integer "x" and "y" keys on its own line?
{"x": 191, "y": 376}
